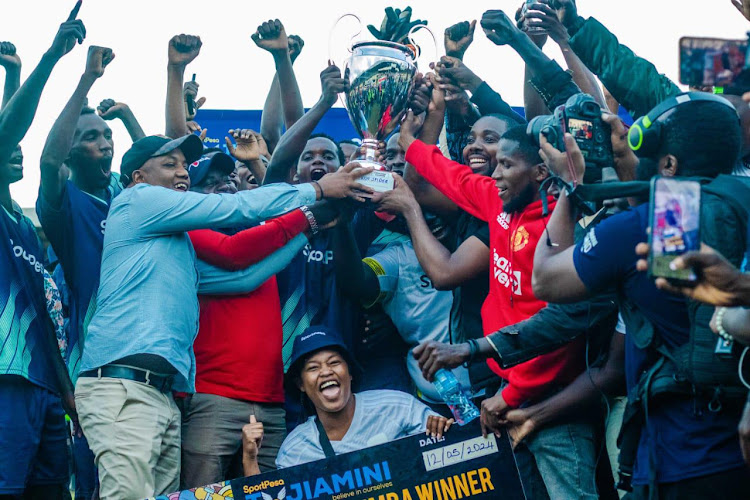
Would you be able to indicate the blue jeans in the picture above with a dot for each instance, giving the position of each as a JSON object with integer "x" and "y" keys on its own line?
{"x": 565, "y": 456}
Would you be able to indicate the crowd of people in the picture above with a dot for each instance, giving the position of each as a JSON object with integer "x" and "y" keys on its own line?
{"x": 211, "y": 313}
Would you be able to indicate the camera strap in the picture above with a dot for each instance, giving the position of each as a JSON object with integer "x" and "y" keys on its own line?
{"x": 325, "y": 443}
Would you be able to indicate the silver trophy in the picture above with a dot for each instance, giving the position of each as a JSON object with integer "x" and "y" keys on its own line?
{"x": 381, "y": 77}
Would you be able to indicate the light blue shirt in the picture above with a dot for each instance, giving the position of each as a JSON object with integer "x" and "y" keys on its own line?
{"x": 379, "y": 417}
{"x": 150, "y": 278}
{"x": 419, "y": 311}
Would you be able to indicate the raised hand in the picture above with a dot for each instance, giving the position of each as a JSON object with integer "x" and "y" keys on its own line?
{"x": 458, "y": 38}
{"x": 70, "y": 32}
{"x": 252, "y": 438}
{"x": 567, "y": 12}
{"x": 109, "y": 109}
{"x": 271, "y": 36}
{"x": 410, "y": 127}
{"x": 247, "y": 148}
{"x": 419, "y": 98}
{"x": 546, "y": 17}
{"x": 190, "y": 91}
{"x": 437, "y": 96}
{"x": 194, "y": 127}
{"x": 183, "y": 49}
{"x": 296, "y": 44}
{"x": 743, "y": 6}
{"x": 98, "y": 58}
{"x": 332, "y": 82}
{"x": 455, "y": 70}
{"x": 8, "y": 56}
{"x": 499, "y": 28}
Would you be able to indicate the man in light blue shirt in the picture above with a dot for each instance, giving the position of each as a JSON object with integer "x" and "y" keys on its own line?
{"x": 139, "y": 342}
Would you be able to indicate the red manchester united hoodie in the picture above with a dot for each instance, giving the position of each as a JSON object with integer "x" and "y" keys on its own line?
{"x": 513, "y": 239}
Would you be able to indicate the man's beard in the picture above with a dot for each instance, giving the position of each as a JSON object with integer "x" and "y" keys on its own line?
{"x": 521, "y": 201}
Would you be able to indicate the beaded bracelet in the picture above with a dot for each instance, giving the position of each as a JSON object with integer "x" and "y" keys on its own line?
{"x": 310, "y": 219}
{"x": 720, "y": 325}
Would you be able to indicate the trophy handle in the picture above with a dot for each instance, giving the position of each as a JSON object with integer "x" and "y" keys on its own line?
{"x": 333, "y": 30}
{"x": 434, "y": 42}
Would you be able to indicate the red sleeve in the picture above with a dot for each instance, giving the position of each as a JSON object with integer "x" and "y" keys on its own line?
{"x": 477, "y": 194}
{"x": 249, "y": 246}
{"x": 537, "y": 377}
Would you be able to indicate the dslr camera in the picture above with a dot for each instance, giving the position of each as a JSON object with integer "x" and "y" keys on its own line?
{"x": 581, "y": 116}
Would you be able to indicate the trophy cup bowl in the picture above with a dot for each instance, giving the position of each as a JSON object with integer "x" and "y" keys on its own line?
{"x": 380, "y": 76}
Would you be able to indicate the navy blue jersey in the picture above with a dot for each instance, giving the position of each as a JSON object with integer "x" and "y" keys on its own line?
{"x": 307, "y": 287}
{"x": 76, "y": 232}
{"x": 688, "y": 440}
{"x": 24, "y": 348}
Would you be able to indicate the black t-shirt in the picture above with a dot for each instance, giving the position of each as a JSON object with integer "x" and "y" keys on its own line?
{"x": 466, "y": 316}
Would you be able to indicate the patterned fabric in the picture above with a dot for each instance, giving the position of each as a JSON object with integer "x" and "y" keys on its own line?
{"x": 55, "y": 310}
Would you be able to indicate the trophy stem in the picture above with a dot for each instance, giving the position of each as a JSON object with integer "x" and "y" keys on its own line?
{"x": 371, "y": 150}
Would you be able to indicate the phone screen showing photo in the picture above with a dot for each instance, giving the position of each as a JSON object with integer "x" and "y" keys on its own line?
{"x": 675, "y": 225}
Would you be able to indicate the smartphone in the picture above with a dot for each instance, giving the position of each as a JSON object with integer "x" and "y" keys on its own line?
{"x": 674, "y": 218}
{"x": 190, "y": 103}
{"x": 707, "y": 62}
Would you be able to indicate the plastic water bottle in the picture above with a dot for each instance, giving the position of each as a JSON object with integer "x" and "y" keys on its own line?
{"x": 450, "y": 390}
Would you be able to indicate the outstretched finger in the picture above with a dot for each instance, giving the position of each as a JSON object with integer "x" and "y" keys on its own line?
{"x": 230, "y": 146}
{"x": 252, "y": 419}
{"x": 74, "y": 12}
{"x": 471, "y": 28}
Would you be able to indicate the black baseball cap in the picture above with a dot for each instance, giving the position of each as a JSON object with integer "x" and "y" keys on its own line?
{"x": 157, "y": 145}
{"x": 312, "y": 340}
{"x": 199, "y": 169}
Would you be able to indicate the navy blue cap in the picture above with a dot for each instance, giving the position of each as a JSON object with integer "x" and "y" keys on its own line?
{"x": 312, "y": 340}
{"x": 199, "y": 169}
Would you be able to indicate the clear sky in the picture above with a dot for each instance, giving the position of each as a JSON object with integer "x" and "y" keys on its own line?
{"x": 234, "y": 74}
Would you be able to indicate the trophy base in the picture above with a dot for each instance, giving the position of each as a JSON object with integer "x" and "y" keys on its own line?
{"x": 379, "y": 180}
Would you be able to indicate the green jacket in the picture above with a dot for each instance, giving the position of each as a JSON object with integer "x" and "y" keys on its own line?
{"x": 632, "y": 80}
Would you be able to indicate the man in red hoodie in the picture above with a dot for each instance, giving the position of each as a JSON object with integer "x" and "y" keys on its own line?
{"x": 510, "y": 202}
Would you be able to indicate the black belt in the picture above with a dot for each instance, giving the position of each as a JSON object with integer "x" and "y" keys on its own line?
{"x": 161, "y": 382}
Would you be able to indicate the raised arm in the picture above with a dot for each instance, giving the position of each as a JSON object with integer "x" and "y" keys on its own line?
{"x": 183, "y": 49}
{"x": 17, "y": 115}
{"x": 247, "y": 148}
{"x": 10, "y": 60}
{"x": 60, "y": 138}
{"x": 446, "y": 270}
{"x": 426, "y": 194}
{"x": 632, "y": 80}
{"x": 553, "y": 84}
{"x": 550, "y": 19}
{"x": 109, "y": 109}
{"x": 293, "y": 142}
{"x": 283, "y": 104}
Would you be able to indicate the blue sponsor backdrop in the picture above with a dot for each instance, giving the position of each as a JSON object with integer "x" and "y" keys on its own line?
{"x": 335, "y": 123}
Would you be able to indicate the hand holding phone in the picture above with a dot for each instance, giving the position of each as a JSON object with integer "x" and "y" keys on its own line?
{"x": 674, "y": 218}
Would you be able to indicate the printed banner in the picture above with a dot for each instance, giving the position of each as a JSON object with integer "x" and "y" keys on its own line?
{"x": 462, "y": 464}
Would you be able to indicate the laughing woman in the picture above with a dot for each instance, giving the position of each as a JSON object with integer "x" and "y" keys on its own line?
{"x": 322, "y": 371}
